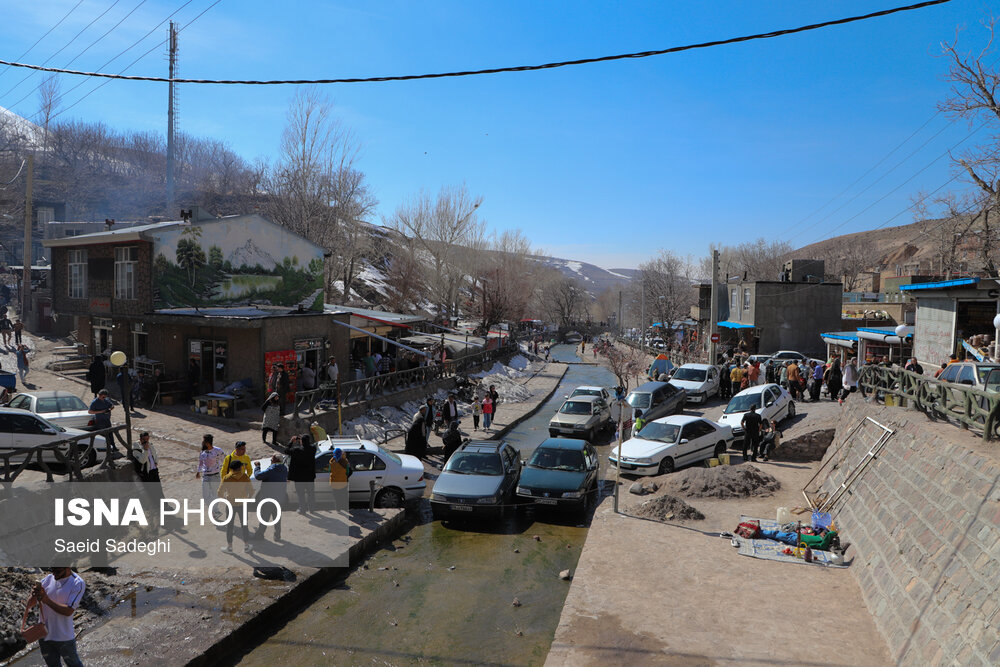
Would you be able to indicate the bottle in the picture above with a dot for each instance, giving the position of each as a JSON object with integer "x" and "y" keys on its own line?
{"x": 808, "y": 556}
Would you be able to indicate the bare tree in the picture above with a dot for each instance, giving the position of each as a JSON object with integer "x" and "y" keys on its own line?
{"x": 440, "y": 228}
{"x": 507, "y": 278}
{"x": 667, "y": 280}
{"x": 566, "y": 300}
{"x": 625, "y": 362}
{"x": 756, "y": 260}
{"x": 49, "y": 97}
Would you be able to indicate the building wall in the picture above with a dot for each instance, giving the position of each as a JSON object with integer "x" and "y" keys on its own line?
{"x": 100, "y": 291}
{"x": 791, "y": 316}
{"x": 934, "y": 332}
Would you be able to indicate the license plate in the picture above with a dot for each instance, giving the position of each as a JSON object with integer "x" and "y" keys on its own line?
{"x": 626, "y": 466}
{"x": 461, "y": 508}
{"x": 546, "y": 501}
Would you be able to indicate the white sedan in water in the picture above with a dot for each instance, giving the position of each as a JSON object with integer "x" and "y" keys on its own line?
{"x": 664, "y": 444}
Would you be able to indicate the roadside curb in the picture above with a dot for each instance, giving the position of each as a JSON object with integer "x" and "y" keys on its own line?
{"x": 538, "y": 406}
{"x": 305, "y": 591}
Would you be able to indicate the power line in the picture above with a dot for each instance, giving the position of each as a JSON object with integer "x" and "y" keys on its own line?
{"x": 58, "y": 23}
{"x": 496, "y": 70}
{"x": 64, "y": 46}
{"x": 87, "y": 48}
{"x": 155, "y": 47}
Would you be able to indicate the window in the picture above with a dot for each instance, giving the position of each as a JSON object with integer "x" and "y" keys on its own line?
{"x": 26, "y": 424}
{"x": 125, "y": 262}
{"x": 746, "y": 298}
{"x": 364, "y": 461}
{"x": 77, "y": 261}
{"x": 733, "y": 303}
{"x": 949, "y": 374}
{"x": 966, "y": 376}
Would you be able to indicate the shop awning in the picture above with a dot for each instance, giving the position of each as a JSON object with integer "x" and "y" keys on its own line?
{"x": 840, "y": 338}
{"x": 387, "y": 340}
{"x": 885, "y": 335}
{"x": 735, "y": 325}
{"x": 944, "y": 284}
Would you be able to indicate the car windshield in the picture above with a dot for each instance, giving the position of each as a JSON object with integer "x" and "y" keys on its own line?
{"x": 743, "y": 403}
{"x": 983, "y": 371}
{"x": 660, "y": 432}
{"x": 556, "y": 459}
{"x": 585, "y": 392}
{"x": 689, "y": 374}
{"x": 475, "y": 463}
{"x": 575, "y": 408}
{"x": 638, "y": 400}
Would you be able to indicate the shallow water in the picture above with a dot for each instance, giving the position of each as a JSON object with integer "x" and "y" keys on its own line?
{"x": 407, "y": 605}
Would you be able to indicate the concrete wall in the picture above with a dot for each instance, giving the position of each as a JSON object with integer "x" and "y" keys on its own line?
{"x": 791, "y": 316}
{"x": 925, "y": 524}
{"x": 934, "y": 332}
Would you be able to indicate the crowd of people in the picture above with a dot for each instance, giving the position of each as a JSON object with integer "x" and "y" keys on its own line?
{"x": 804, "y": 379}
{"x": 430, "y": 418}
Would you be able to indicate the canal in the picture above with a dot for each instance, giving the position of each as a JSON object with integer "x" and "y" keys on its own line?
{"x": 448, "y": 593}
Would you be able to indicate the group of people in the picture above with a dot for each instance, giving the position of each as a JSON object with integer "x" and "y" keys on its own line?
{"x": 428, "y": 419}
{"x": 803, "y": 379}
{"x": 760, "y": 437}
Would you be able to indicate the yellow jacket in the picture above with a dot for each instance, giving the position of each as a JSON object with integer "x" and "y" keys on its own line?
{"x": 233, "y": 457}
{"x": 236, "y": 485}
{"x": 339, "y": 470}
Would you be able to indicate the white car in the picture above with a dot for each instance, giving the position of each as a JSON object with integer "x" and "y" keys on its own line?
{"x": 770, "y": 400}
{"x": 700, "y": 381}
{"x": 399, "y": 477}
{"x": 664, "y": 444}
{"x": 581, "y": 417}
{"x": 59, "y": 407}
{"x": 587, "y": 390}
{"x": 20, "y": 429}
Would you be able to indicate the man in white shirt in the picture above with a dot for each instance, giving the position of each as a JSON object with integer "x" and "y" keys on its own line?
{"x": 58, "y": 595}
{"x": 209, "y": 465}
{"x": 331, "y": 371}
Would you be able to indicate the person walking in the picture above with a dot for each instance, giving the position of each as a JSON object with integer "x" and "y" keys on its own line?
{"x": 58, "y": 595}
{"x": 272, "y": 418}
{"x": 783, "y": 377}
{"x": 6, "y": 329}
{"x": 449, "y": 411}
{"x": 753, "y": 374}
{"x": 302, "y": 471}
{"x": 495, "y": 395}
{"x": 751, "y": 423}
{"x": 817, "y": 385}
{"x": 124, "y": 387}
{"x": 273, "y": 486}
{"x": 18, "y": 328}
{"x": 416, "y": 435}
{"x": 236, "y": 485}
{"x": 209, "y": 466}
{"x": 96, "y": 375}
{"x": 794, "y": 386}
{"x": 22, "y": 362}
{"x": 736, "y": 379}
{"x": 101, "y": 408}
{"x": 834, "y": 380}
{"x": 725, "y": 384}
{"x": 429, "y": 419}
{"x": 487, "y": 411}
{"x": 850, "y": 377}
{"x": 477, "y": 410}
{"x": 340, "y": 475}
{"x": 239, "y": 453}
{"x": 284, "y": 386}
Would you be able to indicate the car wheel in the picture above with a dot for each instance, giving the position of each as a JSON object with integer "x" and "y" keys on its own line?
{"x": 720, "y": 448}
{"x": 387, "y": 498}
{"x": 666, "y": 465}
{"x": 791, "y": 410}
{"x": 91, "y": 459}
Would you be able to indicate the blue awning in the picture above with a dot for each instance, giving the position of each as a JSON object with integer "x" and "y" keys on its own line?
{"x": 735, "y": 325}
{"x": 839, "y": 335}
{"x": 944, "y": 284}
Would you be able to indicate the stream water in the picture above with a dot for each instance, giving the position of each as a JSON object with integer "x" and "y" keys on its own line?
{"x": 445, "y": 593}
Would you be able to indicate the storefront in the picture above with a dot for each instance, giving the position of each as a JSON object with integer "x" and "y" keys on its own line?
{"x": 840, "y": 344}
{"x": 893, "y": 344}
{"x": 954, "y": 317}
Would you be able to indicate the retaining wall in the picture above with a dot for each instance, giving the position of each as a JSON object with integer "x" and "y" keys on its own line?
{"x": 924, "y": 520}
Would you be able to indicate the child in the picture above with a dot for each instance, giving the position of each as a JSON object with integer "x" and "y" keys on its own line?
{"x": 477, "y": 409}
{"x": 487, "y": 411}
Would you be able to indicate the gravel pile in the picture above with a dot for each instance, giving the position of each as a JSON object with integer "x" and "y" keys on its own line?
{"x": 722, "y": 482}
{"x": 668, "y": 508}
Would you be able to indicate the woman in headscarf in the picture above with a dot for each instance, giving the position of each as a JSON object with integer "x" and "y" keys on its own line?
{"x": 272, "y": 418}
{"x": 416, "y": 436}
{"x": 834, "y": 379}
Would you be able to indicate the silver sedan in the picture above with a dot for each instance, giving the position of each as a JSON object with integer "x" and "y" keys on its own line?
{"x": 59, "y": 407}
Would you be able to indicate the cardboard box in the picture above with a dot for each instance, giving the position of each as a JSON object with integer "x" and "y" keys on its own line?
{"x": 167, "y": 400}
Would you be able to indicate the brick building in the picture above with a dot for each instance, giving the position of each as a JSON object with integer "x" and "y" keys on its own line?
{"x": 232, "y": 294}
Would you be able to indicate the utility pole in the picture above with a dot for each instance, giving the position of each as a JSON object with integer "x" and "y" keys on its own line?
{"x": 621, "y": 325}
{"x": 714, "y": 326}
{"x": 171, "y": 118}
{"x": 26, "y": 255}
{"x": 642, "y": 316}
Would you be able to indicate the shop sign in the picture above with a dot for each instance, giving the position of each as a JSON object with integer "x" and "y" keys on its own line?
{"x": 306, "y": 344}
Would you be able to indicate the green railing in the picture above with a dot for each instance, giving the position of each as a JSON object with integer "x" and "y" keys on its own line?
{"x": 970, "y": 408}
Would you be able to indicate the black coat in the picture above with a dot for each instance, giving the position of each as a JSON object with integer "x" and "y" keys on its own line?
{"x": 416, "y": 439}
{"x": 302, "y": 463}
{"x": 283, "y": 385}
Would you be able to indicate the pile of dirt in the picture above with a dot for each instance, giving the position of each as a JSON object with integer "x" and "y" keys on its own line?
{"x": 16, "y": 585}
{"x": 668, "y": 508}
{"x": 805, "y": 448}
{"x": 722, "y": 482}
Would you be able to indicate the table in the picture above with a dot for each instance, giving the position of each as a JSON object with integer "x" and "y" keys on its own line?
{"x": 216, "y": 405}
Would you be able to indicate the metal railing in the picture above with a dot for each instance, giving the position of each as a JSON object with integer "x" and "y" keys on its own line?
{"x": 970, "y": 408}
{"x": 70, "y": 455}
{"x": 358, "y": 391}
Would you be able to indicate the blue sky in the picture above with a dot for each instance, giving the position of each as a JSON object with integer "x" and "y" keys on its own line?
{"x": 605, "y": 163}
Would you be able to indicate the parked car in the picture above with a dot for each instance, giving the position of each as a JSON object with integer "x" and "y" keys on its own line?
{"x": 399, "y": 477}
{"x": 969, "y": 373}
{"x": 587, "y": 390}
{"x": 20, "y": 429}
{"x": 770, "y": 400}
{"x": 480, "y": 478}
{"x": 656, "y": 399}
{"x": 581, "y": 417}
{"x": 59, "y": 407}
{"x": 699, "y": 381}
{"x": 788, "y": 355}
{"x": 561, "y": 473}
{"x": 664, "y": 444}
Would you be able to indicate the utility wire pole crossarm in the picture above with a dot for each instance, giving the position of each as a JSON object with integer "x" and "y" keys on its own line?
{"x": 171, "y": 119}
{"x": 714, "y": 306}
{"x": 26, "y": 254}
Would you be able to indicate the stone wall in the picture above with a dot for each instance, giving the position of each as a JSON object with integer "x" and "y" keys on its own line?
{"x": 924, "y": 521}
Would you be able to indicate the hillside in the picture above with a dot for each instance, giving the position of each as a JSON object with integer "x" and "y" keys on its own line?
{"x": 905, "y": 245}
